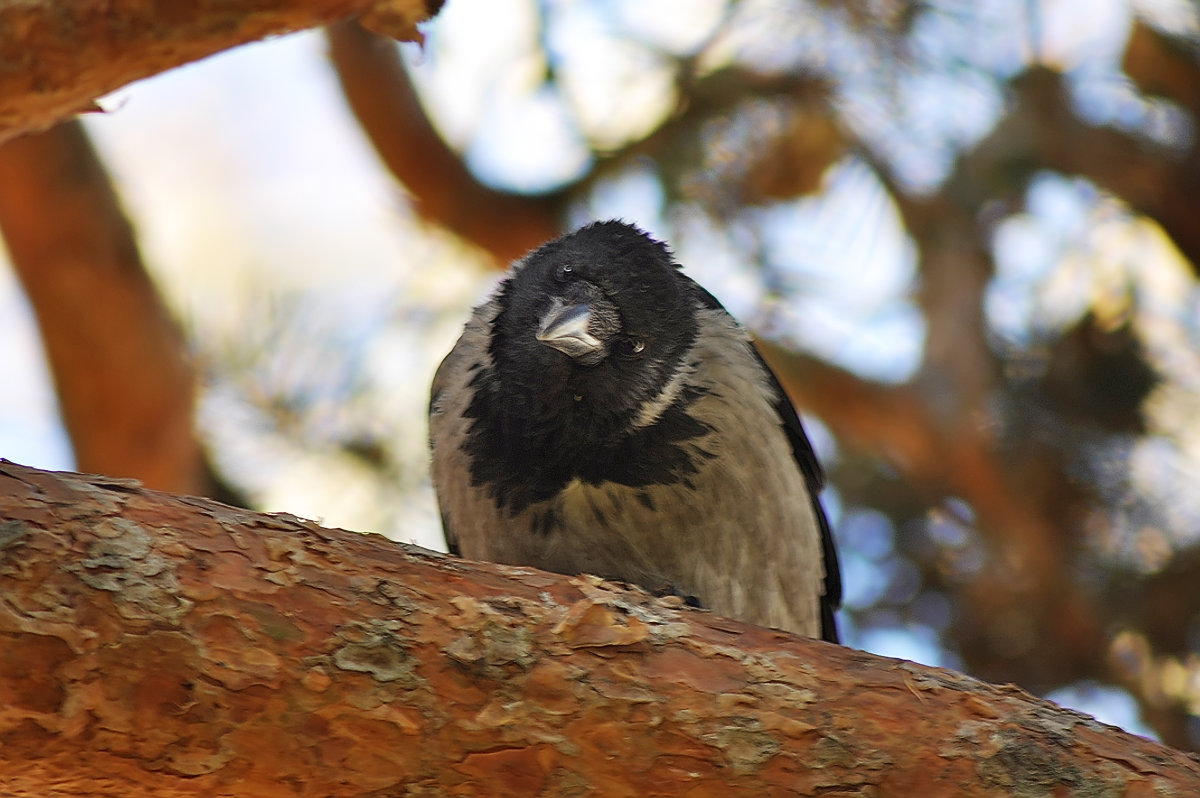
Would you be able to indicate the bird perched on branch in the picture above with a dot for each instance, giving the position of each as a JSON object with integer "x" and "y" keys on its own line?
{"x": 602, "y": 413}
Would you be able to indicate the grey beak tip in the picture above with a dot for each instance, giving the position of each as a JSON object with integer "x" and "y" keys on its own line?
{"x": 565, "y": 328}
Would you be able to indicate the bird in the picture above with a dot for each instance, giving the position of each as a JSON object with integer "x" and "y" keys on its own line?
{"x": 602, "y": 413}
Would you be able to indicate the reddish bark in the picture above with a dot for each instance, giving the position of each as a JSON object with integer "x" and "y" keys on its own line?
{"x": 58, "y": 57}
{"x": 151, "y": 642}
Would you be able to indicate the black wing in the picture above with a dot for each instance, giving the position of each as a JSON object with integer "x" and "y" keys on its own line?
{"x": 814, "y": 477}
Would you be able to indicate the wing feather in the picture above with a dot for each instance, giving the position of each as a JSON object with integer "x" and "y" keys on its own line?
{"x": 814, "y": 477}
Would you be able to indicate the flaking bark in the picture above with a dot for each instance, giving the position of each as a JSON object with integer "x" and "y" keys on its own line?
{"x": 151, "y": 642}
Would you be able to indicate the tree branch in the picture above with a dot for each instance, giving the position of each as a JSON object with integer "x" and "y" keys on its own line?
{"x": 118, "y": 359}
{"x": 1041, "y": 131}
{"x": 152, "y": 642}
{"x": 57, "y": 57}
{"x": 444, "y": 192}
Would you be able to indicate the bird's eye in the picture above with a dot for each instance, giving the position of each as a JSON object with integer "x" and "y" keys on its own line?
{"x": 627, "y": 346}
{"x": 564, "y": 272}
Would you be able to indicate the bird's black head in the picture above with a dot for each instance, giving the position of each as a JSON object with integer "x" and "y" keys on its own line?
{"x": 593, "y": 325}
{"x": 590, "y": 330}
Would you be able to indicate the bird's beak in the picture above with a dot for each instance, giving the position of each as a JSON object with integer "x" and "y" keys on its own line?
{"x": 565, "y": 327}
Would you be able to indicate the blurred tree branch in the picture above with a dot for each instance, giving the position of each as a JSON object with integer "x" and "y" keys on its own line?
{"x": 1041, "y": 131}
{"x": 379, "y": 92}
{"x": 118, "y": 359}
{"x": 788, "y": 162}
{"x": 58, "y": 57}
{"x": 1022, "y": 525}
{"x": 1163, "y": 66}
{"x": 154, "y": 643}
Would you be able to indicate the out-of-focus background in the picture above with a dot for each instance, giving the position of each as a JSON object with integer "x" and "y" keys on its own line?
{"x": 968, "y": 234}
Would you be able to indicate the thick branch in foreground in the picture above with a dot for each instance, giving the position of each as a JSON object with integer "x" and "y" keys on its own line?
{"x": 157, "y": 643}
{"x": 57, "y": 57}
